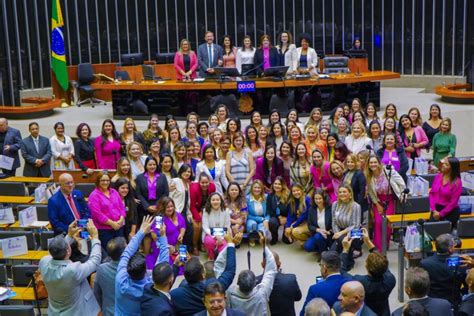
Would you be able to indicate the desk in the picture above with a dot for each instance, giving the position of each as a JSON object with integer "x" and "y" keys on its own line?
{"x": 27, "y": 179}
{"x": 32, "y": 255}
{"x": 23, "y": 294}
{"x": 16, "y": 199}
{"x": 17, "y": 225}
{"x": 80, "y": 176}
{"x": 396, "y": 219}
{"x": 456, "y": 93}
{"x": 467, "y": 244}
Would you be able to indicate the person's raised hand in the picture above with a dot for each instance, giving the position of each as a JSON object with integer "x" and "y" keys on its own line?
{"x": 93, "y": 232}
{"x": 467, "y": 261}
{"x": 73, "y": 229}
{"x": 146, "y": 224}
{"x": 163, "y": 229}
{"x": 346, "y": 243}
{"x": 365, "y": 234}
{"x": 228, "y": 236}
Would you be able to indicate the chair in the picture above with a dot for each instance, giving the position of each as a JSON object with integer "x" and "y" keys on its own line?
{"x": 334, "y": 65}
{"x": 122, "y": 74}
{"x": 3, "y": 275}
{"x": 17, "y": 310}
{"x": 165, "y": 58}
{"x": 13, "y": 189}
{"x": 435, "y": 229}
{"x": 21, "y": 274}
{"x": 44, "y": 237}
{"x": 414, "y": 204}
{"x": 85, "y": 75}
{"x": 41, "y": 211}
{"x": 30, "y": 238}
{"x": 466, "y": 228}
{"x": 148, "y": 72}
{"x": 85, "y": 188}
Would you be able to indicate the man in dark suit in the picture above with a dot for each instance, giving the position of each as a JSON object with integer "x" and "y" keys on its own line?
{"x": 187, "y": 298}
{"x": 445, "y": 281}
{"x": 215, "y": 302}
{"x": 156, "y": 299}
{"x": 352, "y": 299}
{"x": 36, "y": 151}
{"x": 330, "y": 288}
{"x": 209, "y": 56}
{"x": 285, "y": 292}
{"x": 417, "y": 285}
{"x": 66, "y": 205}
{"x": 378, "y": 282}
{"x": 467, "y": 304}
{"x": 10, "y": 143}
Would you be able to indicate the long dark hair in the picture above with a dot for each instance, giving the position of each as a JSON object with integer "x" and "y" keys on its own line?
{"x": 455, "y": 169}
{"x": 79, "y": 129}
{"x": 129, "y": 199}
{"x": 240, "y": 198}
{"x": 321, "y": 192}
{"x": 115, "y": 134}
{"x": 208, "y": 207}
{"x": 265, "y": 161}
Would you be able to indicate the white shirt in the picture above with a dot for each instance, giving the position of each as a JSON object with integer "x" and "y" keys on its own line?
{"x": 321, "y": 219}
{"x": 224, "y": 313}
{"x": 244, "y": 57}
{"x": 356, "y": 145}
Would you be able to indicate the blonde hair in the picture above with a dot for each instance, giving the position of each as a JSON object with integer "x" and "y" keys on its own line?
{"x": 262, "y": 193}
{"x": 361, "y": 125}
{"x": 125, "y": 132}
{"x": 181, "y": 45}
{"x": 353, "y": 158}
{"x": 351, "y": 195}
{"x": 302, "y": 199}
{"x": 419, "y": 121}
{"x": 447, "y": 119}
{"x": 369, "y": 175}
{"x": 129, "y": 147}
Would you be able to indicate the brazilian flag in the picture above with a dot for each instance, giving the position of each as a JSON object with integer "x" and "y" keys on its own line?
{"x": 58, "y": 56}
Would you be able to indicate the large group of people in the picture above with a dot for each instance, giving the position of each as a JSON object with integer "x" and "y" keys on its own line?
{"x": 209, "y": 184}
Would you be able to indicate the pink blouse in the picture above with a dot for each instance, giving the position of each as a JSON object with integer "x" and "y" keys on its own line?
{"x": 107, "y": 154}
{"x": 104, "y": 208}
{"x": 446, "y": 195}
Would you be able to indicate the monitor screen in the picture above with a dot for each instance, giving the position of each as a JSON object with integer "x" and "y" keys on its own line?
{"x": 132, "y": 59}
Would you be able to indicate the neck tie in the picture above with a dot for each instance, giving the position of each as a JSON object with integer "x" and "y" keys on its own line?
{"x": 36, "y": 145}
{"x": 209, "y": 48}
{"x": 73, "y": 207}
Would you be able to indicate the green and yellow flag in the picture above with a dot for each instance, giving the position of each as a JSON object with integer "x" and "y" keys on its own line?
{"x": 58, "y": 56}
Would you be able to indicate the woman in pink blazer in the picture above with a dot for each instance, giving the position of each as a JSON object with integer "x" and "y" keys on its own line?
{"x": 185, "y": 61}
{"x": 413, "y": 137}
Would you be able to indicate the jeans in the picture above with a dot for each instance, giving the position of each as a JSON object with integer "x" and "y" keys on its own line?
{"x": 253, "y": 226}
{"x": 317, "y": 243}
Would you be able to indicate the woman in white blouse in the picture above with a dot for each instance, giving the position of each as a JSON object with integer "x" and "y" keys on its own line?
{"x": 244, "y": 58}
{"x": 357, "y": 140}
{"x": 287, "y": 52}
{"x": 137, "y": 158}
{"x": 62, "y": 148}
{"x": 214, "y": 168}
{"x": 306, "y": 57}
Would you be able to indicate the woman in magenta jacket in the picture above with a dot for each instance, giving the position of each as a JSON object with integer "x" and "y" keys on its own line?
{"x": 269, "y": 167}
{"x": 185, "y": 61}
{"x": 413, "y": 137}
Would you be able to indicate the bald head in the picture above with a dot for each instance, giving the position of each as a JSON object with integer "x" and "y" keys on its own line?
{"x": 470, "y": 280}
{"x": 66, "y": 183}
{"x": 352, "y": 296}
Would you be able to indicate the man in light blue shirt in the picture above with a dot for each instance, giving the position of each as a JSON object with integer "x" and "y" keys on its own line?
{"x": 131, "y": 271}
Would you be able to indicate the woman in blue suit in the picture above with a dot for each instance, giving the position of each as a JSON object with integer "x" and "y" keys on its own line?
{"x": 319, "y": 223}
{"x": 257, "y": 219}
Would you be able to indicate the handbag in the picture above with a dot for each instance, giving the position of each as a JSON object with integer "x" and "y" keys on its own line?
{"x": 41, "y": 292}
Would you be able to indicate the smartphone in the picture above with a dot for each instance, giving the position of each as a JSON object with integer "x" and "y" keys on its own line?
{"x": 356, "y": 233}
{"x": 158, "y": 222}
{"x": 84, "y": 235}
{"x": 183, "y": 256}
{"x": 218, "y": 231}
{"x": 453, "y": 261}
{"x": 82, "y": 223}
{"x": 319, "y": 279}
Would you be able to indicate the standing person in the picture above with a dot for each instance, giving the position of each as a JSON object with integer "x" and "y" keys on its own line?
{"x": 320, "y": 170}
{"x": 239, "y": 166}
{"x": 107, "y": 210}
{"x": 354, "y": 177}
{"x": 104, "y": 282}
{"x": 244, "y": 58}
{"x": 215, "y": 302}
{"x": 185, "y": 61}
{"x": 66, "y": 205}
{"x": 352, "y": 299}
{"x": 266, "y": 55}
{"x": 134, "y": 151}
{"x": 277, "y": 134}
{"x": 269, "y": 167}
{"x": 107, "y": 146}
{"x": 382, "y": 185}
{"x": 445, "y": 192}
{"x": 374, "y": 132}
{"x": 62, "y": 149}
{"x": 229, "y": 52}
{"x": 444, "y": 142}
{"x": 215, "y": 215}
{"x": 131, "y": 134}
{"x": 389, "y": 127}
{"x": 151, "y": 186}
{"x": 333, "y": 120}
{"x": 36, "y": 150}
{"x": 214, "y": 168}
{"x": 413, "y": 137}
{"x": 209, "y": 56}
{"x": 431, "y": 127}
{"x": 254, "y": 143}
{"x": 319, "y": 223}
{"x": 391, "y": 154}
{"x": 306, "y": 57}
{"x": 390, "y": 112}
{"x": 69, "y": 292}
{"x": 313, "y": 141}
{"x": 199, "y": 193}
{"x": 124, "y": 187}
{"x": 277, "y": 207}
{"x": 415, "y": 116}
{"x": 180, "y": 194}
{"x": 154, "y": 131}
{"x": 300, "y": 169}
{"x": 84, "y": 149}
{"x": 10, "y": 144}
{"x": 336, "y": 173}
{"x": 287, "y": 54}
{"x": 124, "y": 171}
{"x": 371, "y": 114}
{"x": 357, "y": 140}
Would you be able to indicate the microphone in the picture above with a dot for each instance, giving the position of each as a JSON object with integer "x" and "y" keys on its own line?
{"x": 252, "y": 69}
{"x": 368, "y": 147}
{"x": 421, "y": 221}
{"x": 406, "y": 191}
{"x": 389, "y": 167}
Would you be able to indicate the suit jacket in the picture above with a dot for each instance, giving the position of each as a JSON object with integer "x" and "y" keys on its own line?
{"x": 434, "y": 306}
{"x": 366, "y": 311}
{"x": 220, "y": 181}
{"x": 258, "y": 59}
{"x": 162, "y": 189}
{"x": 154, "y": 302}
{"x": 277, "y": 170}
{"x": 60, "y": 214}
{"x": 401, "y": 156}
{"x": 442, "y": 277}
{"x": 312, "y": 59}
{"x": 195, "y": 197}
{"x": 358, "y": 185}
{"x": 69, "y": 292}
{"x": 467, "y": 305}
{"x": 328, "y": 290}
{"x": 29, "y": 153}
{"x": 13, "y": 139}
{"x": 203, "y": 58}
{"x": 313, "y": 219}
{"x": 179, "y": 64}
{"x": 285, "y": 293}
{"x": 229, "y": 311}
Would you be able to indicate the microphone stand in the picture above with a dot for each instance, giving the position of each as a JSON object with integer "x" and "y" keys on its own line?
{"x": 384, "y": 214}
{"x": 244, "y": 75}
{"x": 401, "y": 248}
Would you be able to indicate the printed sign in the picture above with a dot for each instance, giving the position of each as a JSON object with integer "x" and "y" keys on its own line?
{"x": 15, "y": 246}
{"x": 28, "y": 216}
{"x": 6, "y": 216}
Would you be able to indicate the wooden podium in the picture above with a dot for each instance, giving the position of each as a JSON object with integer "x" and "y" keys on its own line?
{"x": 80, "y": 176}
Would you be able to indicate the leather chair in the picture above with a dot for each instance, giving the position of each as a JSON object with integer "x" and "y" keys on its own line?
{"x": 85, "y": 74}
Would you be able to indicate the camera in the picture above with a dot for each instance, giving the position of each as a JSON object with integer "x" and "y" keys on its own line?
{"x": 158, "y": 222}
{"x": 82, "y": 223}
{"x": 356, "y": 233}
{"x": 453, "y": 261}
{"x": 84, "y": 235}
{"x": 218, "y": 231}
{"x": 183, "y": 256}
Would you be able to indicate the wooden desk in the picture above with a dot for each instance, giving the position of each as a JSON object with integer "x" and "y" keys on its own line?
{"x": 78, "y": 175}
{"x": 23, "y": 294}
{"x": 413, "y": 217}
{"x": 456, "y": 93}
{"x": 27, "y": 179}
{"x": 16, "y": 199}
{"x": 31, "y": 255}
{"x": 17, "y": 225}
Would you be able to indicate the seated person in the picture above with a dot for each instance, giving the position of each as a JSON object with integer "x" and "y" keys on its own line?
{"x": 417, "y": 285}
{"x": 352, "y": 299}
{"x": 317, "y": 307}
{"x": 66, "y": 205}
